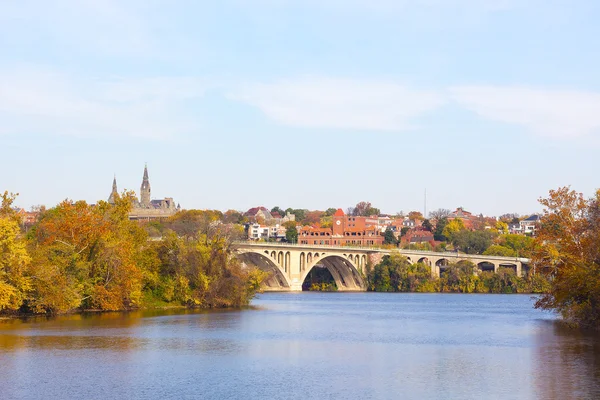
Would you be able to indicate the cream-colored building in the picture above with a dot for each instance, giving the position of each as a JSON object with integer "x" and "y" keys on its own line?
{"x": 145, "y": 208}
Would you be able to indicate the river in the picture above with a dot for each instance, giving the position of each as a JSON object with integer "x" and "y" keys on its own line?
{"x": 306, "y": 346}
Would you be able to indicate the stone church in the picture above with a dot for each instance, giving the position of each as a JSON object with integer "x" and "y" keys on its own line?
{"x": 146, "y": 209}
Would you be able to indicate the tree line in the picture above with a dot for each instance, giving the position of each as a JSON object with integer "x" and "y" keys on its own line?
{"x": 396, "y": 274}
{"x": 83, "y": 257}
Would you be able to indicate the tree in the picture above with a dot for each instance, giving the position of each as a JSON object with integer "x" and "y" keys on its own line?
{"x": 87, "y": 257}
{"x": 234, "y": 217}
{"x": 291, "y": 232}
{"x": 388, "y": 237}
{"x": 497, "y": 250}
{"x": 452, "y": 227}
{"x": 427, "y": 225}
{"x": 299, "y": 213}
{"x": 14, "y": 260}
{"x": 567, "y": 247}
{"x": 502, "y": 227}
{"x": 326, "y": 221}
{"x": 313, "y": 217}
{"x": 6, "y": 210}
{"x": 440, "y": 225}
{"x": 330, "y": 211}
{"x": 415, "y": 215}
{"x": 364, "y": 209}
{"x": 509, "y": 217}
{"x": 471, "y": 242}
{"x": 522, "y": 245}
{"x": 439, "y": 213}
{"x": 278, "y": 210}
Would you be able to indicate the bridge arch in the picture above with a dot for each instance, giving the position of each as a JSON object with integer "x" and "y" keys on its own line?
{"x": 344, "y": 272}
{"x": 442, "y": 262}
{"x": 509, "y": 265}
{"x": 424, "y": 260}
{"x": 278, "y": 279}
{"x": 486, "y": 266}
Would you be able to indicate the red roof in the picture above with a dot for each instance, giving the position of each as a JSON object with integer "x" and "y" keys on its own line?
{"x": 339, "y": 213}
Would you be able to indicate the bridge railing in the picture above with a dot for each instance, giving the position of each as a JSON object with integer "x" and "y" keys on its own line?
{"x": 447, "y": 254}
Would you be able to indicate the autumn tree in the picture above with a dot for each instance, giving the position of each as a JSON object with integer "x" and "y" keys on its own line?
{"x": 509, "y": 218}
{"x": 326, "y": 221}
{"x": 14, "y": 260}
{"x": 313, "y": 217}
{"x": 234, "y": 217}
{"x": 416, "y": 215}
{"x": 278, "y": 210}
{"x": 567, "y": 247}
{"x": 86, "y": 257}
{"x": 452, "y": 228}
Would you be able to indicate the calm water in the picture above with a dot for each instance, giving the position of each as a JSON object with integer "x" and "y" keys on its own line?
{"x": 306, "y": 346}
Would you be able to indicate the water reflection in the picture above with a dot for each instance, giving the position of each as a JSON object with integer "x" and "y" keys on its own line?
{"x": 568, "y": 363}
{"x": 305, "y": 346}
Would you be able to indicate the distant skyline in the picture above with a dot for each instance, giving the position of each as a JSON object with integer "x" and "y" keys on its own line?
{"x": 301, "y": 103}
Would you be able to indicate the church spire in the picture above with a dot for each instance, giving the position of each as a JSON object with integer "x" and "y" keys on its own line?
{"x": 145, "y": 189}
{"x": 114, "y": 193}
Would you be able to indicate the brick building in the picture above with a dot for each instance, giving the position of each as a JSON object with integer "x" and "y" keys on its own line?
{"x": 346, "y": 230}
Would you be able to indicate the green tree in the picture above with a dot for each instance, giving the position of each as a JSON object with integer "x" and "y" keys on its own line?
{"x": 472, "y": 242}
{"x": 388, "y": 237}
{"x": 440, "y": 225}
{"x": 299, "y": 213}
{"x": 498, "y": 250}
{"x": 427, "y": 225}
{"x": 291, "y": 232}
{"x": 522, "y": 245}
{"x": 330, "y": 211}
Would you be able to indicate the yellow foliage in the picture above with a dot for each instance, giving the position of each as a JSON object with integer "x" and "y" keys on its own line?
{"x": 14, "y": 284}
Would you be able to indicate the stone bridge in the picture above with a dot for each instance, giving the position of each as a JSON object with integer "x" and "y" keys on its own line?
{"x": 291, "y": 263}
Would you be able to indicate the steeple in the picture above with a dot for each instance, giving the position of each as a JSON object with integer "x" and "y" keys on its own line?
{"x": 145, "y": 189}
{"x": 114, "y": 193}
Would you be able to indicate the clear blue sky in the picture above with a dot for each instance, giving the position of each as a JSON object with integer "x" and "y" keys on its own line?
{"x": 312, "y": 104}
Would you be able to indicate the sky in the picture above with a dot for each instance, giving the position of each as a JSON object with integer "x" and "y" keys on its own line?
{"x": 484, "y": 104}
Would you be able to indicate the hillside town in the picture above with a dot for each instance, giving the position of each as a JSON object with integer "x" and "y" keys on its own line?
{"x": 362, "y": 225}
